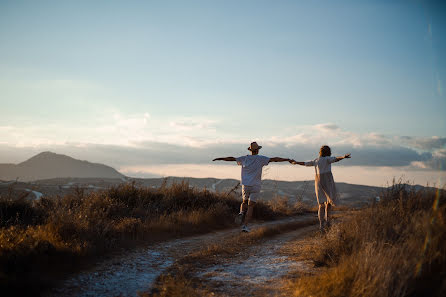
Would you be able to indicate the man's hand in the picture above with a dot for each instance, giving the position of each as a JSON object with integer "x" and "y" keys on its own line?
{"x": 347, "y": 156}
{"x": 225, "y": 159}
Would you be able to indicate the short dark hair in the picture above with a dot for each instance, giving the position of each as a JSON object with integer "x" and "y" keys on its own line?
{"x": 325, "y": 151}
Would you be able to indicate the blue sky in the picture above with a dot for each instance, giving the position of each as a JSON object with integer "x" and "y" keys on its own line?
{"x": 93, "y": 78}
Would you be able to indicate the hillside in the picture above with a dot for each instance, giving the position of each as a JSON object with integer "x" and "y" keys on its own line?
{"x": 350, "y": 194}
{"x": 51, "y": 174}
{"x": 49, "y": 165}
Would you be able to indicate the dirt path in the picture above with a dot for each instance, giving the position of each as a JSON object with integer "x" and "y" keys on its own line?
{"x": 125, "y": 275}
{"x": 257, "y": 271}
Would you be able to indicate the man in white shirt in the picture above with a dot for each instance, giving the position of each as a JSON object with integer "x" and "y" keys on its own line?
{"x": 251, "y": 180}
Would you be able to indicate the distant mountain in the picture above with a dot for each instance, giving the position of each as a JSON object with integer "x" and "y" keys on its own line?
{"x": 48, "y": 165}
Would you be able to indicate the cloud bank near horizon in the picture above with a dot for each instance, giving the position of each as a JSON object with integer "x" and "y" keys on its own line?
{"x": 194, "y": 141}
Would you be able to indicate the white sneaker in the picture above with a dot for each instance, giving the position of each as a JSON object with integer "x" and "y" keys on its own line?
{"x": 245, "y": 228}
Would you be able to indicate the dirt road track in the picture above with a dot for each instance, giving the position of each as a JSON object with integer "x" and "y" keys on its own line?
{"x": 136, "y": 270}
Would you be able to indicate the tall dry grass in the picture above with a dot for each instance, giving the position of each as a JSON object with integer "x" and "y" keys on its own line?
{"x": 42, "y": 240}
{"x": 393, "y": 248}
{"x": 282, "y": 204}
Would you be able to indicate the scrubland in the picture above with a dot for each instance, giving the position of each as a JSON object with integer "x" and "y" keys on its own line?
{"x": 42, "y": 240}
{"x": 393, "y": 248}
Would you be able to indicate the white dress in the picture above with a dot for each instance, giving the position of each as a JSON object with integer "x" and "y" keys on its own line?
{"x": 324, "y": 184}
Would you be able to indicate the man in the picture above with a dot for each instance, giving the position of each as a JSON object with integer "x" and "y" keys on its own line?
{"x": 251, "y": 180}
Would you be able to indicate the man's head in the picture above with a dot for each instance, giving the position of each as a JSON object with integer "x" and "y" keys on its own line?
{"x": 254, "y": 148}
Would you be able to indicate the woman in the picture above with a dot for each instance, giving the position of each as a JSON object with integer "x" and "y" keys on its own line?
{"x": 323, "y": 182}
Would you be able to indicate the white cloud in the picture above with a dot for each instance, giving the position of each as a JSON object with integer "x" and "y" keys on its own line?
{"x": 112, "y": 127}
{"x": 439, "y": 153}
{"x": 115, "y": 128}
{"x": 424, "y": 143}
{"x": 332, "y": 134}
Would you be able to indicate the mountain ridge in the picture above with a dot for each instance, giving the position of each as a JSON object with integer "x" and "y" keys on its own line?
{"x": 47, "y": 165}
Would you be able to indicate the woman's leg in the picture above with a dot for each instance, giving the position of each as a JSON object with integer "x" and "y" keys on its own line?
{"x": 327, "y": 209}
{"x": 319, "y": 215}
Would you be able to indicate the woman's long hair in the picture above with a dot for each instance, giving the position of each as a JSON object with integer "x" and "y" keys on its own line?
{"x": 325, "y": 151}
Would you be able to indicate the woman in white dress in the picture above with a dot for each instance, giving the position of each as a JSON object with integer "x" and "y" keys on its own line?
{"x": 324, "y": 184}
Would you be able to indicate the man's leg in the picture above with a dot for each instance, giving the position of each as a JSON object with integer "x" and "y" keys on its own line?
{"x": 243, "y": 206}
{"x": 240, "y": 219}
{"x": 253, "y": 195}
{"x": 251, "y": 205}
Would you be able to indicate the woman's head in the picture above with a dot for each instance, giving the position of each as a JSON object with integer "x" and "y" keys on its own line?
{"x": 325, "y": 151}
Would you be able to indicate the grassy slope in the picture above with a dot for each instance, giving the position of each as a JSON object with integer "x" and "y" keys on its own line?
{"x": 41, "y": 241}
{"x": 394, "y": 248}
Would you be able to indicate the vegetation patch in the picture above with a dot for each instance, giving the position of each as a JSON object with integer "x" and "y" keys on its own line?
{"x": 42, "y": 240}
{"x": 392, "y": 248}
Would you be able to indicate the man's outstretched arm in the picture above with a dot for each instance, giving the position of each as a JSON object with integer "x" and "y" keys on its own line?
{"x": 225, "y": 159}
{"x": 294, "y": 162}
{"x": 278, "y": 159}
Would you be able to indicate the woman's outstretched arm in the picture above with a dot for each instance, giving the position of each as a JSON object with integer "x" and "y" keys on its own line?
{"x": 225, "y": 159}
{"x": 294, "y": 162}
{"x": 346, "y": 156}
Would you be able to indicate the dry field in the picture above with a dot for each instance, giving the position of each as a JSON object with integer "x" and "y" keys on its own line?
{"x": 393, "y": 248}
{"x": 43, "y": 240}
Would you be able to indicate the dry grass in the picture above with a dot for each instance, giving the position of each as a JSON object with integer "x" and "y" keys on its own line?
{"x": 282, "y": 204}
{"x": 393, "y": 248}
{"x": 42, "y": 240}
{"x": 178, "y": 285}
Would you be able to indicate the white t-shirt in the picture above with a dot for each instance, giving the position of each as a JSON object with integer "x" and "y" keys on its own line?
{"x": 322, "y": 164}
{"x": 252, "y": 169}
